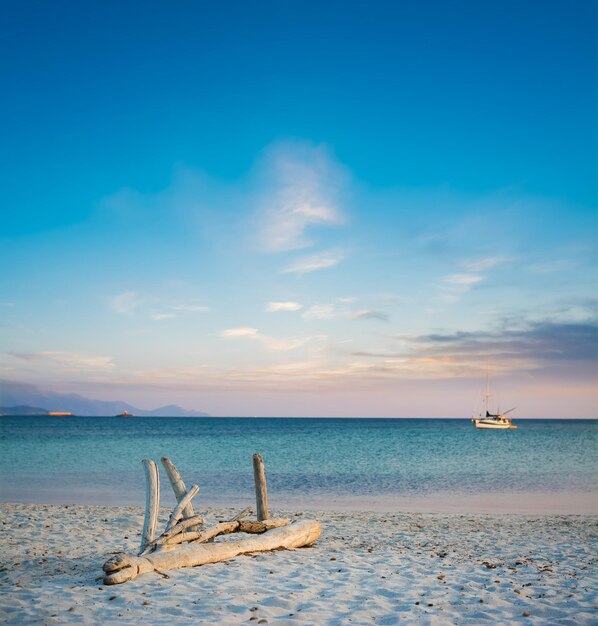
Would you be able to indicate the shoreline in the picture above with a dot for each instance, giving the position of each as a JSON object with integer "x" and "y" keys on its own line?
{"x": 499, "y": 503}
{"x": 371, "y": 567}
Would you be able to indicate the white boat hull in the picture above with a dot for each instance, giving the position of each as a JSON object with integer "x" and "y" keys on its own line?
{"x": 493, "y": 424}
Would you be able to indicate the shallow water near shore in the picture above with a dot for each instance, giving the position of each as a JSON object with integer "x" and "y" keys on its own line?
{"x": 376, "y": 464}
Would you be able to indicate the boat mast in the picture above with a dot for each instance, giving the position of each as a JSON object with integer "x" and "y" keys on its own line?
{"x": 487, "y": 391}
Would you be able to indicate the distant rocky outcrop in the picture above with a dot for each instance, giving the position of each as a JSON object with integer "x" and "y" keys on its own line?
{"x": 29, "y": 398}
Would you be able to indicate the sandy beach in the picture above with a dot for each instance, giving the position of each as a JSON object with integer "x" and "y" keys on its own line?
{"x": 367, "y": 568}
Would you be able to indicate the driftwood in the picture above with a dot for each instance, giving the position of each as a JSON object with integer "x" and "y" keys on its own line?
{"x": 243, "y": 526}
{"x": 152, "y": 502}
{"x": 183, "y": 541}
{"x": 261, "y": 493}
{"x": 169, "y": 535}
{"x": 177, "y": 512}
{"x": 121, "y": 568}
{"x": 177, "y": 483}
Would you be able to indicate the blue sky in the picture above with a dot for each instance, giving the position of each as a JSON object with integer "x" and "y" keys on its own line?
{"x": 294, "y": 209}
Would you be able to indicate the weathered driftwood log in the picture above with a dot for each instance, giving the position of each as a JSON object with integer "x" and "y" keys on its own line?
{"x": 152, "y": 502}
{"x": 261, "y": 493}
{"x": 177, "y": 483}
{"x": 124, "y": 567}
{"x": 224, "y": 528}
{"x": 244, "y": 526}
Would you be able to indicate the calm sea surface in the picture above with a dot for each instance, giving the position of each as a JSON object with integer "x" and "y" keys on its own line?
{"x": 97, "y": 460}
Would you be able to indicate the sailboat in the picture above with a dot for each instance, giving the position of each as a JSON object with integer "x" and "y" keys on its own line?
{"x": 496, "y": 421}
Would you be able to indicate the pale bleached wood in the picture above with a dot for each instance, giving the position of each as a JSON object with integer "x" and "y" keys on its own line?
{"x": 183, "y": 537}
{"x": 261, "y": 493}
{"x": 184, "y": 524}
{"x": 223, "y": 528}
{"x": 296, "y": 535}
{"x": 166, "y": 536}
{"x": 152, "y": 502}
{"x": 177, "y": 512}
{"x": 252, "y": 527}
{"x": 116, "y": 562}
{"x": 244, "y": 526}
{"x": 177, "y": 483}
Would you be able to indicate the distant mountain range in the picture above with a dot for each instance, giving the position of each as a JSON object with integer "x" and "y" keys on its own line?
{"x": 24, "y": 399}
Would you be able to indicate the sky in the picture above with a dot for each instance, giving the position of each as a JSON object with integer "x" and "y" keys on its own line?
{"x": 300, "y": 208}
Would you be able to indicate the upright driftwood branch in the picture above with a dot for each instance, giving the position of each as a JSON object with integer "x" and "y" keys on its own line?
{"x": 261, "y": 493}
{"x": 152, "y": 502}
{"x": 177, "y": 483}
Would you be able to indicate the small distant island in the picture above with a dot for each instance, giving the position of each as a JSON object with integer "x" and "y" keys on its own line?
{"x": 34, "y": 411}
{"x": 26, "y": 399}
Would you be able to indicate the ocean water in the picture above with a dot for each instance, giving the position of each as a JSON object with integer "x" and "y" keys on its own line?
{"x": 98, "y": 460}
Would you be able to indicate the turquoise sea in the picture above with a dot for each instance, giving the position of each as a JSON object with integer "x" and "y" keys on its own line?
{"x": 97, "y": 460}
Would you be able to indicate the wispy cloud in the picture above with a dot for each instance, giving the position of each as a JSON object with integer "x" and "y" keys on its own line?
{"x": 155, "y": 307}
{"x": 162, "y": 316}
{"x": 314, "y": 262}
{"x": 68, "y": 360}
{"x": 302, "y": 188}
{"x": 320, "y": 312}
{"x": 270, "y": 343}
{"x": 243, "y": 331}
{"x": 455, "y": 285}
{"x": 330, "y": 311}
{"x": 175, "y": 310}
{"x": 126, "y": 303}
{"x": 274, "y": 307}
{"x": 368, "y": 314}
{"x": 482, "y": 264}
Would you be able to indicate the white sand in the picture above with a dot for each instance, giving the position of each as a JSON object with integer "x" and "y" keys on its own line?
{"x": 367, "y": 568}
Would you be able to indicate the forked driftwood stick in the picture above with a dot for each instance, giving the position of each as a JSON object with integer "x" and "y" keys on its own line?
{"x": 168, "y": 535}
{"x": 183, "y": 525}
{"x": 261, "y": 493}
{"x": 152, "y": 502}
{"x": 177, "y": 512}
{"x": 123, "y": 567}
